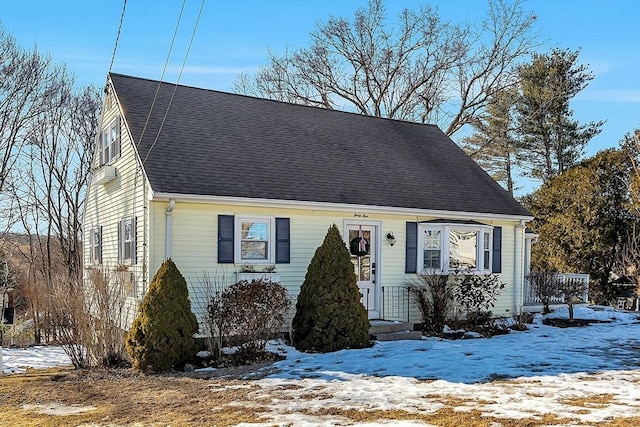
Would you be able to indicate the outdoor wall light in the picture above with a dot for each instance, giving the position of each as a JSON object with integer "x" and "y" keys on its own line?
{"x": 391, "y": 238}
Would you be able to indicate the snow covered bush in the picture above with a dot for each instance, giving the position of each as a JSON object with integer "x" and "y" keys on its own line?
{"x": 329, "y": 315}
{"x": 161, "y": 337}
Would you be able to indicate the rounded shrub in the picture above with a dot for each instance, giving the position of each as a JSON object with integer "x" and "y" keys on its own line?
{"x": 161, "y": 337}
{"x": 329, "y": 315}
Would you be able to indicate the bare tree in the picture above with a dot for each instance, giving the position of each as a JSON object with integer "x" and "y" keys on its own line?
{"x": 545, "y": 285}
{"x": 629, "y": 261}
{"x": 28, "y": 79}
{"x": 423, "y": 69}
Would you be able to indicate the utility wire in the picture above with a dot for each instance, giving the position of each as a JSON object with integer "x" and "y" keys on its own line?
{"x": 115, "y": 46}
{"x": 175, "y": 87}
{"x": 166, "y": 64}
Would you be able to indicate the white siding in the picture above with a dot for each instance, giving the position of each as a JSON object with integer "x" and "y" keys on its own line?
{"x": 109, "y": 203}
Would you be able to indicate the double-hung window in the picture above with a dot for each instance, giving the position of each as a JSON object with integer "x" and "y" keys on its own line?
{"x": 447, "y": 247}
{"x": 127, "y": 241}
{"x": 110, "y": 142}
{"x": 255, "y": 237}
{"x": 95, "y": 238}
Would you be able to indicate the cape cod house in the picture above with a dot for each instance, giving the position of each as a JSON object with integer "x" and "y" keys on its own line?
{"x": 217, "y": 181}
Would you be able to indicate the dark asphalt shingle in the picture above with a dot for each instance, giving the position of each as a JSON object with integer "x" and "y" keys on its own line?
{"x": 222, "y": 144}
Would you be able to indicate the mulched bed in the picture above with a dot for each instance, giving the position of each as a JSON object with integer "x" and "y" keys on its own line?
{"x": 566, "y": 323}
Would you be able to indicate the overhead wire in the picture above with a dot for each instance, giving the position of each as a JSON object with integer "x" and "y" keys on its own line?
{"x": 115, "y": 46}
{"x": 164, "y": 70}
{"x": 175, "y": 87}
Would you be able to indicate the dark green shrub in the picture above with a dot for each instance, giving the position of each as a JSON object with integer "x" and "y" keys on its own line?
{"x": 478, "y": 292}
{"x": 161, "y": 337}
{"x": 329, "y": 315}
{"x": 247, "y": 314}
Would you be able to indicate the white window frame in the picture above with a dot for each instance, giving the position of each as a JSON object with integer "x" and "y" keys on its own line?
{"x": 271, "y": 243}
{"x": 108, "y": 142}
{"x": 122, "y": 242}
{"x": 95, "y": 241}
{"x": 445, "y": 232}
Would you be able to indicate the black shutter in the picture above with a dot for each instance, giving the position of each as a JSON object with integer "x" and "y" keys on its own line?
{"x": 120, "y": 243}
{"x": 116, "y": 154}
{"x": 411, "y": 248}
{"x": 100, "y": 148}
{"x": 283, "y": 241}
{"x": 225, "y": 239}
{"x": 99, "y": 244}
{"x": 134, "y": 241}
{"x": 496, "y": 266}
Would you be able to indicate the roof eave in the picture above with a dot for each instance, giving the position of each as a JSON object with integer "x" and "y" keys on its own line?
{"x": 326, "y": 206}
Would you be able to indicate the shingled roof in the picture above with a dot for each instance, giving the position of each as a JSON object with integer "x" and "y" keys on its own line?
{"x": 221, "y": 144}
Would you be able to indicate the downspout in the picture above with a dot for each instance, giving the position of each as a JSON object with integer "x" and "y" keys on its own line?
{"x": 169, "y": 214}
{"x": 518, "y": 266}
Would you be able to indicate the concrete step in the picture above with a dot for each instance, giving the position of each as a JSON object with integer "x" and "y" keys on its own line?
{"x": 397, "y": 336}
{"x": 385, "y": 326}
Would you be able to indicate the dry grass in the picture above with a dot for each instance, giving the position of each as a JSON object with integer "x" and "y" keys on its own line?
{"x": 124, "y": 398}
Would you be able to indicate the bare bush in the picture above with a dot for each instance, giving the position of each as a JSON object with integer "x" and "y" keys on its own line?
{"x": 545, "y": 285}
{"x": 574, "y": 290}
{"x": 433, "y": 294}
{"x": 90, "y": 318}
{"x": 248, "y": 314}
{"x": 216, "y": 318}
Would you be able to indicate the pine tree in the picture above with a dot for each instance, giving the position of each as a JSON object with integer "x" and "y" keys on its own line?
{"x": 161, "y": 337}
{"x": 493, "y": 144}
{"x": 553, "y": 140}
{"x": 329, "y": 315}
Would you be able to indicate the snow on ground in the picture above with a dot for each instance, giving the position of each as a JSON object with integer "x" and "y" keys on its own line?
{"x": 19, "y": 359}
{"x": 550, "y": 369}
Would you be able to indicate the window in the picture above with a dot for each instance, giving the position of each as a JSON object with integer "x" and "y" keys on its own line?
{"x": 95, "y": 238}
{"x": 254, "y": 240}
{"x": 486, "y": 250}
{"x": 127, "y": 241}
{"x": 432, "y": 249}
{"x": 452, "y": 246}
{"x": 110, "y": 142}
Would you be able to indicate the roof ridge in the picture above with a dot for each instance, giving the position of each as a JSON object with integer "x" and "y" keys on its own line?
{"x": 273, "y": 100}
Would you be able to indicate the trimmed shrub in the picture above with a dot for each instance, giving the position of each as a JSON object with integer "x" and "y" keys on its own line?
{"x": 161, "y": 337}
{"x": 329, "y": 315}
{"x": 248, "y": 314}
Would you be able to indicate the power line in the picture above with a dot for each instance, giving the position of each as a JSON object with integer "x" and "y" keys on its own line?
{"x": 166, "y": 64}
{"x": 175, "y": 87}
{"x": 115, "y": 46}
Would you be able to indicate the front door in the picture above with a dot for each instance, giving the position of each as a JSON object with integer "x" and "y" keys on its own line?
{"x": 361, "y": 241}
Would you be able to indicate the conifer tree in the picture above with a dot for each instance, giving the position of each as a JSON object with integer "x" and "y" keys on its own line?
{"x": 329, "y": 315}
{"x": 161, "y": 337}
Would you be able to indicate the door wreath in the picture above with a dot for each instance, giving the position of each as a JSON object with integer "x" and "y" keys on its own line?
{"x": 357, "y": 248}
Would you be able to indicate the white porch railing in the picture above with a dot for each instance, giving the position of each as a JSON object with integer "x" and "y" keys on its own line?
{"x": 574, "y": 280}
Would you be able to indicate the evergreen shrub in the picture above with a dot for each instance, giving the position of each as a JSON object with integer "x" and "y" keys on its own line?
{"x": 162, "y": 336}
{"x": 329, "y": 315}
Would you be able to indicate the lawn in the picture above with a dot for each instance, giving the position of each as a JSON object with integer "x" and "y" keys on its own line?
{"x": 545, "y": 376}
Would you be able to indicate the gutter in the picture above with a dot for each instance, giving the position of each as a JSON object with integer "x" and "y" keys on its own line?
{"x": 169, "y": 215}
{"x": 519, "y": 254}
{"x": 327, "y": 206}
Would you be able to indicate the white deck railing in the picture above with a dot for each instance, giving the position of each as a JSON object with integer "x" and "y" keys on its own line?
{"x": 580, "y": 280}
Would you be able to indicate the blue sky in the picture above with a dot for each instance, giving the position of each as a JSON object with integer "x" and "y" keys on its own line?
{"x": 233, "y": 37}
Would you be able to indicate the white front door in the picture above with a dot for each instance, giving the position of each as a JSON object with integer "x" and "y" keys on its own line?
{"x": 362, "y": 244}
